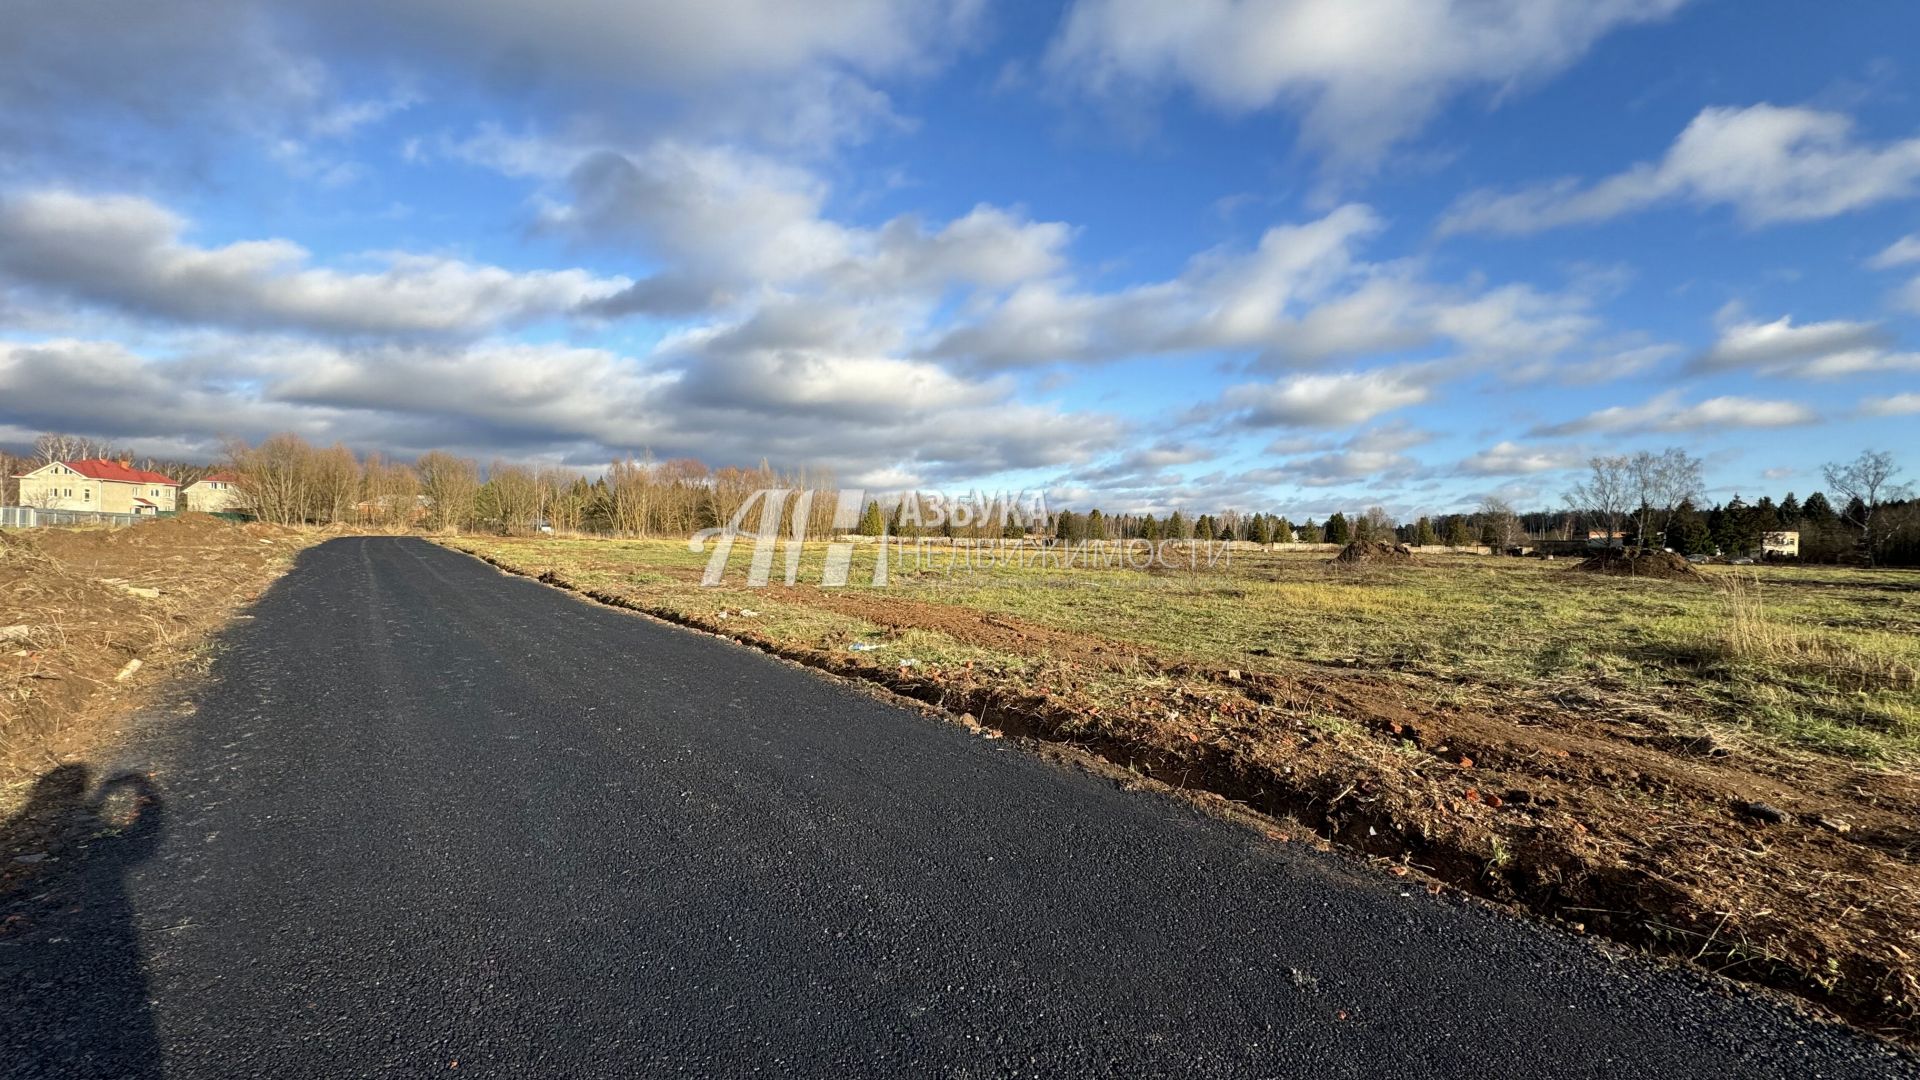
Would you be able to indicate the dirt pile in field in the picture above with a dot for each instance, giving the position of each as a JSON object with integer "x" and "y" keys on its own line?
{"x": 89, "y": 618}
{"x": 1658, "y": 565}
{"x": 1373, "y": 552}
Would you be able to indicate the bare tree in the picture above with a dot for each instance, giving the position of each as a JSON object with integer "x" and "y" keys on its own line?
{"x": 275, "y": 478}
{"x": 1500, "y": 524}
{"x": 450, "y": 484}
{"x": 512, "y": 496}
{"x": 1376, "y": 524}
{"x": 11, "y": 467}
{"x": 334, "y": 480}
{"x": 1868, "y": 481}
{"x": 1661, "y": 482}
{"x": 629, "y": 495}
{"x": 567, "y": 502}
{"x": 56, "y": 446}
{"x": 388, "y": 492}
{"x": 1603, "y": 498}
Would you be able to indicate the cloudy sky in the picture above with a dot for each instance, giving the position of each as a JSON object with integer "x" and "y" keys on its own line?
{"x": 1296, "y": 255}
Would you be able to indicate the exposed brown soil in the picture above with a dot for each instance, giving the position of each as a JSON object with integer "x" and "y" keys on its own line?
{"x": 1658, "y": 565}
{"x": 1373, "y": 552}
{"x": 92, "y": 618}
{"x": 1800, "y": 874}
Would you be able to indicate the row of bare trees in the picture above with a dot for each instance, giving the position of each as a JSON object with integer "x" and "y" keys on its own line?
{"x": 286, "y": 480}
{"x": 1647, "y": 490}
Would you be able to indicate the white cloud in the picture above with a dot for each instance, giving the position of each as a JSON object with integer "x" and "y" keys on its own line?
{"x": 1222, "y": 300}
{"x": 801, "y": 76}
{"x": 1909, "y": 296}
{"x": 1667, "y": 413}
{"x": 695, "y": 47}
{"x": 116, "y": 86}
{"x": 1808, "y": 350}
{"x": 1322, "y": 401}
{"x": 1606, "y": 367}
{"x": 1341, "y": 467}
{"x": 126, "y": 254}
{"x": 1772, "y": 164}
{"x": 117, "y": 83}
{"x": 1363, "y": 75}
{"x": 1515, "y": 459}
{"x": 725, "y": 215}
{"x": 856, "y": 416}
{"x": 1893, "y": 405}
{"x": 1302, "y": 296}
{"x": 1780, "y": 344}
{"x": 1901, "y": 252}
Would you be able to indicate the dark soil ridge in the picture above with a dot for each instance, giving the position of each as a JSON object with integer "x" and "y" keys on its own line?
{"x": 1547, "y": 873}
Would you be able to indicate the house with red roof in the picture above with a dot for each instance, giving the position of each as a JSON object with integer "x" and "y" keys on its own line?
{"x": 218, "y": 493}
{"x": 113, "y": 487}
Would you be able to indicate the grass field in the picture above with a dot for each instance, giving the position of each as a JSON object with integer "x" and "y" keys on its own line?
{"x": 1726, "y": 770}
{"x": 1815, "y": 657}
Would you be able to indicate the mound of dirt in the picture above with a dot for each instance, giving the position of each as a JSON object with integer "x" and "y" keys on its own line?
{"x": 1658, "y": 565}
{"x": 1374, "y": 551}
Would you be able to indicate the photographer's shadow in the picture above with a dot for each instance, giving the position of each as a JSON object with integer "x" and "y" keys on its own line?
{"x": 73, "y": 990}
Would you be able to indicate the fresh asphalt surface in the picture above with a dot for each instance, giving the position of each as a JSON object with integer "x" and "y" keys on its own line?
{"x": 427, "y": 814}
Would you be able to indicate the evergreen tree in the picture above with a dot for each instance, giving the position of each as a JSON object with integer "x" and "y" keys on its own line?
{"x": 1458, "y": 535}
{"x": 1149, "y": 528}
{"x": 1687, "y": 531}
{"x": 1225, "y": 532}
{"x": 871, "y": 522}
{"x": 1856, "y": 511}
{"x": 1790, "y": 511}
{"x": 1767, "y": 514}
{"x": 1177, "y": 527}
{"x": 1203, "y": 527}
{"x": 1311, "y": 533}
{"x": 1283, "y": 531}
{"x": 1818, "y": 510}
{"x": 1338, "y": 531}
{"x": 1738, "y": 530}
{"x": 1068, "y": 526}
{"x": 1096, "y": 525}
{"x": 1423, "y": 534}
{"x": 1262, "y": 531}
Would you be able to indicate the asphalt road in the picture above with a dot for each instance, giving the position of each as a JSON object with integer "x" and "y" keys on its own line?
{"x": 429, "y": 819}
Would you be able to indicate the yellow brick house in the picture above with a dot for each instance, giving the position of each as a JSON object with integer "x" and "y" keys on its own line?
{"x": 112, "y": 487}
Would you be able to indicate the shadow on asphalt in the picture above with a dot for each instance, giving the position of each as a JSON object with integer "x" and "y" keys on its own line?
{"x": 73, "y": 991}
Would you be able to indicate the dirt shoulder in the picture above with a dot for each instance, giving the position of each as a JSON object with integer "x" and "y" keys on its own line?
{"x": 93, "y": 620}
{"x": 1799, "y": 872}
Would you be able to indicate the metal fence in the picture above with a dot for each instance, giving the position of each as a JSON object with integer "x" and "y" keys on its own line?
{"x": 32, "y": 517}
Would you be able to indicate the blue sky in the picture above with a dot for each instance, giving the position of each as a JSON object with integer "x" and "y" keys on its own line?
{"x": 1301, "y": 255}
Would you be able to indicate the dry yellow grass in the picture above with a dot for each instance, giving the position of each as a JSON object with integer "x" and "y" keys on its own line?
{"x": 96, "y": 619}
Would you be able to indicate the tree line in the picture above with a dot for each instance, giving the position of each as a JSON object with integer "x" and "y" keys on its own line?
{"x": 1654, "y": 501}
{"x": 288, "y": 481}
{"x": 1644, "y": 499}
